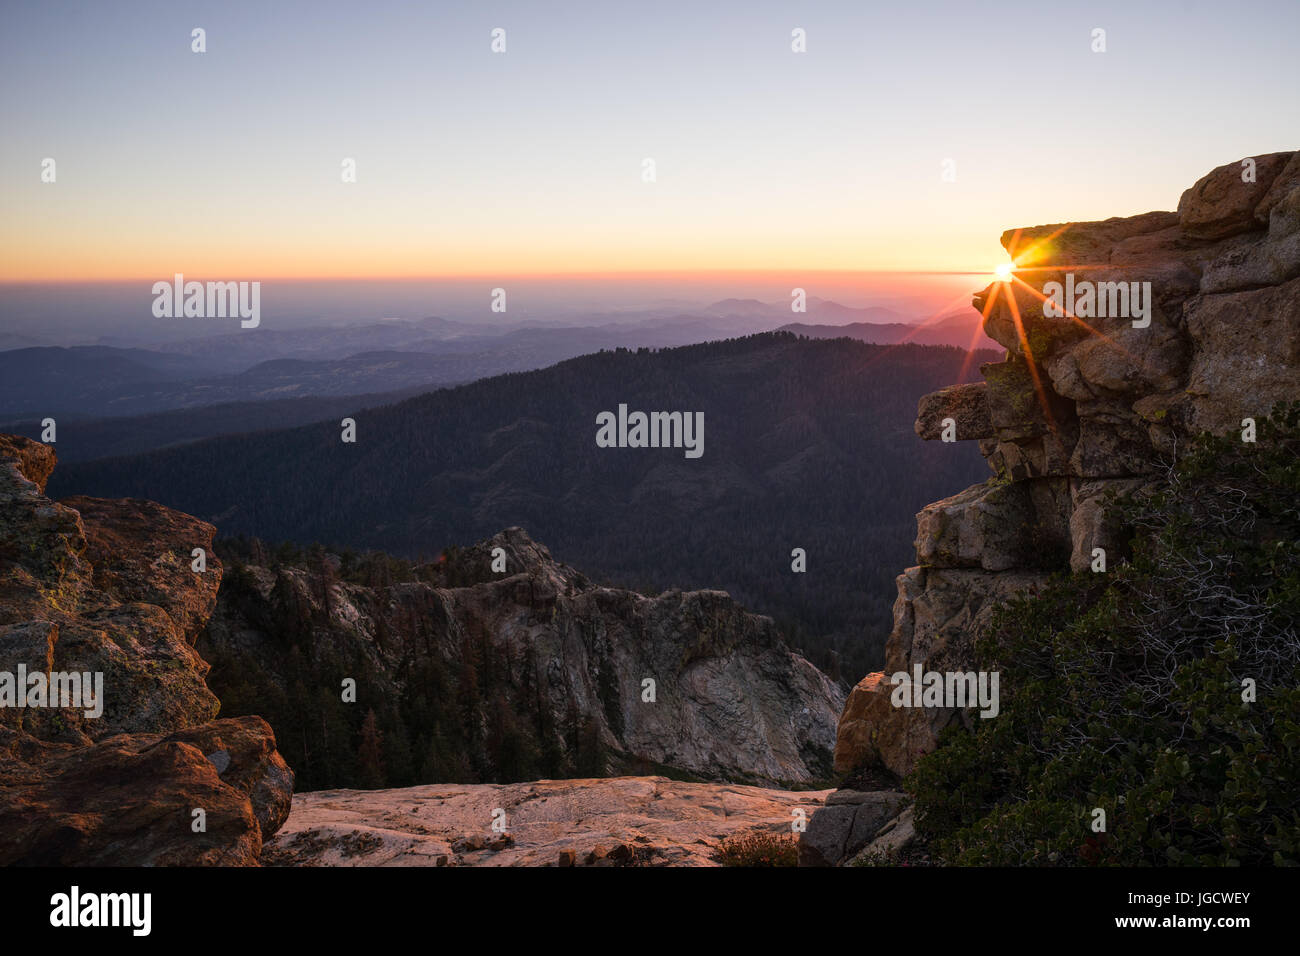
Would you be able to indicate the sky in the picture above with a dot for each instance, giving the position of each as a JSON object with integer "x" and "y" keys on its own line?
{"x": 469, "y": 163}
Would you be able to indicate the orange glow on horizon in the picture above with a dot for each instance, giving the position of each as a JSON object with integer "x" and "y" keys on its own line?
{"x": 72, "y": 250}
{"x": 790, "y": 273}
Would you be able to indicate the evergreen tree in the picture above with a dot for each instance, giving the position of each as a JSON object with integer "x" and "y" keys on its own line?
{"x": 370, "y": 757}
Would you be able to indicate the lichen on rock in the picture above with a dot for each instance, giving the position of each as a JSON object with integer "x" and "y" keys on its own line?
{"x": 106, "y": 589}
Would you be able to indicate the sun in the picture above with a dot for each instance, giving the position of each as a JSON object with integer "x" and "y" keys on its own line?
{"x": 1003, "y": 272}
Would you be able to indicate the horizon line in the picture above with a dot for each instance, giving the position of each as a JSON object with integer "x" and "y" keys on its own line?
{"x": 601, "y": 275}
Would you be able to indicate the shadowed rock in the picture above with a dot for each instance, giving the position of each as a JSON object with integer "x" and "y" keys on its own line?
{"x": 105, "y": 589}
{"x": 129, "y": 800}
{"x": 733, "y": 701}
{"x": 966, "y": 405}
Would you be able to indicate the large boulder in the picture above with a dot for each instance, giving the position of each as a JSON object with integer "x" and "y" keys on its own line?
{"x": 981, "y": 527}
{"x": 873, "y": 732}
{"x": 1222, "y": 202}
{"x": 849, "y": 821}
{"x": 1285, "y": 183}
{"x": 34, "y": 460}
{"x": 892, "y": 841}
{"x": 1246, "y": 356}
{"x": 131, "y": 799}
{"x": 142, "y": 552}
{"x": 106, "y": 588}
{"x": 937, "y": 614}
{"x": 995, "y": 526}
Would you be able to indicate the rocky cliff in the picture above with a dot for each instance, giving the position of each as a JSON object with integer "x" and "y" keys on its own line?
{"x": 1095, "y": 390}
{"x": 105, "y": 590}
{"x": 109, "y": 590}
{"x": 513, "y": 668}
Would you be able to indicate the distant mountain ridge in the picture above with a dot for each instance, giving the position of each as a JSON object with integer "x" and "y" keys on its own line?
{"x": 960, "y": 329}
{"x": 807, "y": 444}
{"x": 79, "y": 383}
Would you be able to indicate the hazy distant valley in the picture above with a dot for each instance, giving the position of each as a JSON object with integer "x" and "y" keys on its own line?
{"x": 798, "y": 443}
{"x": 808, "y": 444}
{"x": 383, "y": 361}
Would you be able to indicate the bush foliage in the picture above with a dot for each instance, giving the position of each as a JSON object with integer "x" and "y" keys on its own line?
{"x": 1129, "y": 691}
{"x": 759, "y": 848}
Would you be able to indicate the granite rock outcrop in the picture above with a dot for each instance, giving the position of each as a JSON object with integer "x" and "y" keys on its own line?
{"x": 102, "y": 599}
{"x": 1179, "y": 323}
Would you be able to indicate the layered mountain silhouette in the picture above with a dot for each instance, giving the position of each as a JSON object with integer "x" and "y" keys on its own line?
{"x": 88, "y": 384}
{"x": 807, "y": 445}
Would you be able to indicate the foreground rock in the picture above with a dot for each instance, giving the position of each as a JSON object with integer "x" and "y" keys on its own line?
{"x": 619, "y": 821}
{"x": 892, "y": 841}
{"x": 129, "y": 800}
{"x": 851, "y": 820}
{"x": 1081, "y": 411}
{"x": 106, "y": 589}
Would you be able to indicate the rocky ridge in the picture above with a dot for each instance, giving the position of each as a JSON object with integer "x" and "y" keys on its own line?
{"x": 106, "y": 587}
{"x": 731, "y": 700}
{"x": 1082, "y": 410}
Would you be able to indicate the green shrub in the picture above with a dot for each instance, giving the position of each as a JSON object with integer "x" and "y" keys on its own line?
{"x": 1125, "y": 691}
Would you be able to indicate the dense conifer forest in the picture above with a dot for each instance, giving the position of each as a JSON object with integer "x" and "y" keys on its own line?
{"x": 807, "y": 444}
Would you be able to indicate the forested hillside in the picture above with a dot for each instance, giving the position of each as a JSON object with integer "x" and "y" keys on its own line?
{"x": 807, "y": 444}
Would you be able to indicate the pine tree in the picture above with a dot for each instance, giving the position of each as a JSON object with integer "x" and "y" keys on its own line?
{"x": 591, "y": 750}
{"x": 370, "y": 757}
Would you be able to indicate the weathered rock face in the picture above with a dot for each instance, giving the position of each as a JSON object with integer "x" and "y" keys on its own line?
{"x": 141, "y": 553}
{"x": 1219, "y": 206}
{"x": 101, "y": 587}
{"x": 966, "y": 405}
{"x": 849, "y": 822}
{"x": 129, "y": 800}
{"x": 106, "y": 589}
{"x": 731, "y": 700}
{"x": 1082, "y": 408}
{"x": 619, "y": 821}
